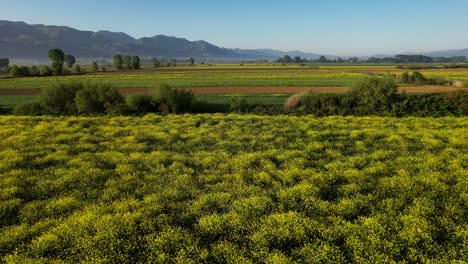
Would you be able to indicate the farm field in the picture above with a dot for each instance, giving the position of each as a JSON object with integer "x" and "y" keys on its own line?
{"x": 233, "y": 189}
{"x": 233, "y": 76}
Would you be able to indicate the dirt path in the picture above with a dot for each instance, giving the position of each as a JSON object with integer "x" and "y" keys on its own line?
{"x": 246, "y": 90}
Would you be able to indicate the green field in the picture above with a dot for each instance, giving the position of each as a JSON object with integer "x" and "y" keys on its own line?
{"x": 11, "y": 101}
{"x": 196, "y": 77}
{"x": 233, "y": 75}
{"x": 233, "y": 189}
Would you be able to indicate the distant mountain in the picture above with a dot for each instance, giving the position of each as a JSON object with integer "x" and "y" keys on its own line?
{"x": 24, "y": 42}
{"x": 21, "y": 41}
{"x": 447, "y": 53}
{"x": 441, "y": 53}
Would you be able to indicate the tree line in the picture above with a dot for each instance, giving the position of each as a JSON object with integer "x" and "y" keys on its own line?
{"x": 396, "y": 59}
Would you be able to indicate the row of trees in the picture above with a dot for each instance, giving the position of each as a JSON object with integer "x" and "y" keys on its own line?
{"x": 57, "y": 67}
{"x": 396, "y": 59}
{"x": 126, "y": 62}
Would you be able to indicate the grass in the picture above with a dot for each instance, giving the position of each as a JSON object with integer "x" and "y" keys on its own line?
{"x": 11, "y": 101}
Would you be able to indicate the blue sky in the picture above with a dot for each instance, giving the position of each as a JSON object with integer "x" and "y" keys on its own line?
{"x": 341, "y": 27}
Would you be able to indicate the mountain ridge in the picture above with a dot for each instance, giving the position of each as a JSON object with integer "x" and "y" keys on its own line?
{"x": 20, "y": 40}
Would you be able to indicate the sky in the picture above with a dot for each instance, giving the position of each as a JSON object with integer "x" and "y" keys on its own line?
{"x": 332, "y": 27}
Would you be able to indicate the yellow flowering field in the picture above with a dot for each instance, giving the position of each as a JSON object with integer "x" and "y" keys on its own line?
{"x": 233, "y": 189}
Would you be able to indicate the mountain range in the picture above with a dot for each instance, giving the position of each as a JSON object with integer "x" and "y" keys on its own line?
{"x": 22, "y": 41}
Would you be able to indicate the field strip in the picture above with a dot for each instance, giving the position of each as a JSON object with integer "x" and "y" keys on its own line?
{"x": 246, "y": 90}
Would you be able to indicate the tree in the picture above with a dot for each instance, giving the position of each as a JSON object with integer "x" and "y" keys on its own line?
{"x": 45, "y": 71}
{"x": 127, "y": 62}
{"x": 156, "y": 63}
{"x": 353, "y": 60}
{"x": 94, "y": 67}
{"x": 192, "y": 61}
{"x": 287, "y": 59}
{"x": 135, "y": 63}
{"x": 70, "y": 60}
{"x": 77, "y": 68}
{"x": 34, "y": 71}
{"x": 58, "y": 58}
{"x": 14, "y": 71}
{"x": 118, "y": 62}
{"x": 20, "y": 71}
{"x": 323, "y": 59}
{"x": 297, "y": 59}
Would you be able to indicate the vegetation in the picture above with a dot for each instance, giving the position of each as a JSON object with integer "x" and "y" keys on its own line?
{"x": 235, "y": 75}
{"x": 58, "y": 58}
{"x": 118, "y": 62}
{"x": 420, "y": 79}
{"x": 70, "y": 60}
{"x": 75, "y": 98}
{"x": 156, "y": 63}
{"x": 396, "y": 59}
{"x": 135, "y": 63}
{"x": 233, "y": 189}
{"x": 94, "y": 67}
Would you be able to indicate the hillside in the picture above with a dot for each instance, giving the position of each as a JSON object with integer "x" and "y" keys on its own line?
{"x": 23, "y": 41}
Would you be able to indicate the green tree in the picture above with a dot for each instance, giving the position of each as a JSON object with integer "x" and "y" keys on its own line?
{"x": 70, "y": 61}
{"x": 156, "y": 63}
{"x": 192, "y": 61}
{"x": 118, "y": 62}
{"x": 287, "y": 59}
{"x": 127, "y": 62}
{"x": 135, "y": 62}
{"x": 45, "y": 71}
{"x": 58, "y": 58}
{"x": 34, "y": 71}
{"x": 374, "y": 94}
{"x": 297, "y": 59}
{"x": 20, "y": 71}
{"x": 14, "y": 71}
{"x": 323, "y": 59}
{"x": 95, "y": 67}
{"x": 77, "y": 68}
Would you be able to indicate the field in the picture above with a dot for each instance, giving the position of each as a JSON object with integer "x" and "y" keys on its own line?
{"x": 229, "y": 75}
{"x": 233, "y": 189}
{"x": 265, "y": 83}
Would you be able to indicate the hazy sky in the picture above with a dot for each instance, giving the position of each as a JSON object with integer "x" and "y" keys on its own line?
{"x": 341, "y": 27}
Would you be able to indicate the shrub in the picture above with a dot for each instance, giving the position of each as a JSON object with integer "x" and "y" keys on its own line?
{"x": 142, "y": 104}
{"x": 99, "y": 99}
{"x": 30, "y": 109}
{"x": 329, "y": 104}
{"x": 374, "y": 94}
{"x": 172, "y": 100}
{"x": 180, "y": 100}
{"x": 59, "y": 99}
{"x": 76, "y": 98}
{"x": 19, "y": 71}
{"x": 239, "y": 104}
